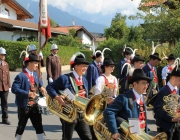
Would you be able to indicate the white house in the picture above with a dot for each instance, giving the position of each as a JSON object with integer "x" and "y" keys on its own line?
{"x": 85, "y": 36}
{"x": 13, "y": 25}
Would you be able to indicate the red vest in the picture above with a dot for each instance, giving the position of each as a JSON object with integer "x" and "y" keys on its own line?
{"x": 142, "y": 114}
{"x": 33, "y": 87}
{"x": 112, "y": 86}
{"x": 81, "y": 88}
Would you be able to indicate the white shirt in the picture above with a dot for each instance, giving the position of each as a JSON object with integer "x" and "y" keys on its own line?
{"x": 100, "y": 82}
{"x": 29, "y": 72}
{"x": 149, "y": 66}
{"x": 76, "y": 75}
{"x": 165, "y": 72}
{"x": 171, "y": 87}
{"x": 97, "y": 63}
{"x": 138, "y": 96}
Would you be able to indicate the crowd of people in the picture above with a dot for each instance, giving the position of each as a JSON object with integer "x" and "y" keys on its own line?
{"x": 136, "y": 85}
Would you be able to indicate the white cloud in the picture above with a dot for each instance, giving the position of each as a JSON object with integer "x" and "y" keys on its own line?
{"x": 105, "y": 7}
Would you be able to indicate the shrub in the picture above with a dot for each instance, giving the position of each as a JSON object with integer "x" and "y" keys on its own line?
{"x": 14, "y": 49}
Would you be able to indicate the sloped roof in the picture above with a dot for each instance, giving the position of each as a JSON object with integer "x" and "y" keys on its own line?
{"x": 25, "y": 25}
{"x": 66, "y": 29}
{"x": 21, "y": 11}
{"x": 152, "y": 3}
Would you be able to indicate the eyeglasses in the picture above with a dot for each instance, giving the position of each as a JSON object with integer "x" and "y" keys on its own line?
{"x": 112, "y": 66}
{"x": 143, "y": 83}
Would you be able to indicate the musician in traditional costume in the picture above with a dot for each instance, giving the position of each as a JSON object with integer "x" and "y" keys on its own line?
{"x": 31, "y": 49}
{"x": 53, "y": 64}
{"x": 94, "y": 69}
{"x": 129, "y": 105}
{"x": 79, "y": 87}
{"x": 107, "y": 79}
{"x": 5, "y": 85}
{"x": 136, "y": 63}
{"x": 165, "y": 122}
{"x": 167, "y": 69}
{"x": 26, "y": 87}
{"x": 122, "y": 75}
{"x": 151, "y": 71}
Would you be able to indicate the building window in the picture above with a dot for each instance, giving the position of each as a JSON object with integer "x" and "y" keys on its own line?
{"x": 7, "y": 12}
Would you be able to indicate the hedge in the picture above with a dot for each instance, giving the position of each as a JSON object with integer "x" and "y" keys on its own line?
{"x": 13, "y": 50}
{"x": 117, "y": 48}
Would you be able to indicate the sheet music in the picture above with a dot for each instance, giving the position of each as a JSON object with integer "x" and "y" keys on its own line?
{"x": 134, "y": 122}
{"x": 68, "y": 93}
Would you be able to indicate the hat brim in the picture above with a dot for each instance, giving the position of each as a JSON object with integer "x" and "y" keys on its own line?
{"x": 171, "y": 58}
{"x": 133, "y": 79}
{"x": 174, "y": 74}
{"x": 153, "y": 56}
{"x": 108, "y": 65}
{"x": 31, "y": 61}
{"x": 132, "y": 61}
{"x": 77, "y": 63}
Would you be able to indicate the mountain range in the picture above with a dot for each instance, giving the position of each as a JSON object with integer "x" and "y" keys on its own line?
{"x": 63, "y": 18}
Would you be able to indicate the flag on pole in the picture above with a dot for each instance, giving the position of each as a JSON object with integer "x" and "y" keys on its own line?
{"x": 44, "y": 28}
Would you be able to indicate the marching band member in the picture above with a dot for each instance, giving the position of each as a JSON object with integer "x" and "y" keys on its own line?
{"x": 4, "y": 85}
{"x": 26, "y": 87}
{"x": 151, "y": 71}
{"x": 122, "y": 76}
{"x": 78, "y": 86}
{"x": 129, "y": 105}
{"x": 136, "y": 63}
{"x": 93, "y": 72}
{"x": 168, "y": 69}
{"x": 32, "y": 50}
{"x": 165, "y": 122}
{"x": 107, "y": 79}
{"x": 94, "y": 69}
{"x": 53, "y": 64}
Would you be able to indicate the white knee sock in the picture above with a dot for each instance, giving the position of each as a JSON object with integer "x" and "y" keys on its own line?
{"x": 40, "y": 136}
{"x": 18, "y": 137}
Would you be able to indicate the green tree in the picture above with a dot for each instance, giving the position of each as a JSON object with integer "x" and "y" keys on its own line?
{"x": 69, "y": 40}
{"x": 118, "y": 28}
{"x": 161, "y": 22}
{"x": 53, "y": 23}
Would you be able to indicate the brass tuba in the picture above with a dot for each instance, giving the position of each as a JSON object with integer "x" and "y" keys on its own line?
{"x": 69, "y": 111}
{"x": 102, "y": 133}
{"x": 93, "y": 112}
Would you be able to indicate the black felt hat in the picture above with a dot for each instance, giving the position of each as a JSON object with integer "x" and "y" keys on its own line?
{"x": 171, "y": 57}
{"x": 107, "y": 62}
{"x": 137, "y": 58}
{"x": 138, "y": 74}
{"x": 31, "y": 58}
{"x": 79, "y": 60}
{"x": 156, "y": 56}
{"x": 175, "y": 71}
{"x": 127, "y": 51}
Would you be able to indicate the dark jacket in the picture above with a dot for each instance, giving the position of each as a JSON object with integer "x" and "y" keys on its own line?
{"x": 92, "y": 74}
{"x": 122, "y": 77}
{"x": 61, "y": 83}
{"x": 53, "y": 67}
{"x": 120, "y": 108}
{"x": 21, "y": 88}
{"x": 4, "y": 77}
{"x": 163, "y": 120}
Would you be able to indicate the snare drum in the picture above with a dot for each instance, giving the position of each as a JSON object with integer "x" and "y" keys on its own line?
{"x": 42, "y": 106}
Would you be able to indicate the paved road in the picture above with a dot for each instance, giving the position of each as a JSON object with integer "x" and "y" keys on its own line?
{"x": 51, "y": 123}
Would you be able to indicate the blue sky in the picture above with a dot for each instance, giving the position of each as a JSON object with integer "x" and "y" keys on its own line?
{"x": 98, "y": 11}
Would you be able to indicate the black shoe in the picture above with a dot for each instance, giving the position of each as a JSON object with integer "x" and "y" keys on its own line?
{"x": 6, "y": 122}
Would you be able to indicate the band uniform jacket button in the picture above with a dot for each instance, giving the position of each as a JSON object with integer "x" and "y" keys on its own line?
{"x": 138, "y": 106}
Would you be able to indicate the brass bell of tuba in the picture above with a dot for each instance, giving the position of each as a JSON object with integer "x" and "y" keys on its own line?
{"x": 102, "y": 133}
{"x": 67, "y": 112}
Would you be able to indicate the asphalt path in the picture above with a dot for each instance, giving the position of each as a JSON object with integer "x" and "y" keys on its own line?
{"x": 51, "y": 123}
